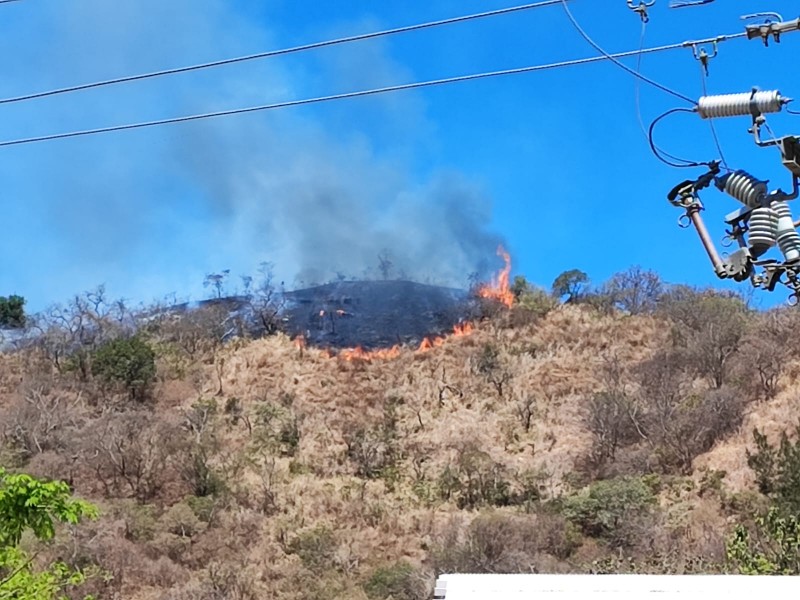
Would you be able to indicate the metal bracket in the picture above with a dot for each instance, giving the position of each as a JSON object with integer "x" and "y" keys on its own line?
{"x": 641, "y": 8}
{"x": 703, "y": 56}
{"x": 790, "y": 153}
{"x": 773, "y": 27}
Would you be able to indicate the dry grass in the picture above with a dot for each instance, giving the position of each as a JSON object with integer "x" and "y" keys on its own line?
{"x": 442, "y": 402}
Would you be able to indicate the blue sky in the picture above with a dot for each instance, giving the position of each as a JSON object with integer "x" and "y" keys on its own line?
{"x": 553, "y": 164}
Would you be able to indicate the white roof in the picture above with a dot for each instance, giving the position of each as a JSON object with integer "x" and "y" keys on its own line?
{"x": 707, "y": 587}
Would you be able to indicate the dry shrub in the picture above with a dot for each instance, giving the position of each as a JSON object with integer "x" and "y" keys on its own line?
{"x": 496, "y": 542}
{"x": 133, "y": 454}
{"x": 42, "y": 417}
{"x": 708, "y": 327}
{"x": 220, "y": 581}
{"x": 764, "y": 352}
{"x": 678, "y": 422}
{"x": 664, "y": 420}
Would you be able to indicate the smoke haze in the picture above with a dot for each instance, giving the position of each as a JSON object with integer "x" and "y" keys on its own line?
{"x": 319, "y": 192}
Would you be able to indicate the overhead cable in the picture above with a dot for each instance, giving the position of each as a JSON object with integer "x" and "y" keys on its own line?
{"x": 659, "y": 152}
{"x": 683, "y": 163}
{"x": 280, "y": 52}
{"x": 623, "y": 66}
{"x": 361, "y": 93}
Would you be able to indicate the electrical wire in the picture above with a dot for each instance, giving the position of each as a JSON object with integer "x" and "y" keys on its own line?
{"x": 357, "y": 94}
{"x": 7, "y": 1}
{"x": 637, "y": 95}
{"x": 703, "y": 78}
{"x": 654, "y": 148}
{"x": 280, "y": 52}
{"x": 621, "y": 65}
{"x": 793, "y": 112}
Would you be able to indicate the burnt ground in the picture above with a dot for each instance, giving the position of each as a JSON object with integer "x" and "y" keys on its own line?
{"x": 373, "y": 314}
{"x": 346, "y": 314}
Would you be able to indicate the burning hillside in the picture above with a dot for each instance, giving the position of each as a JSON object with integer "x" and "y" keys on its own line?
{"x": 373, "y": 319}
{"x": 371, "y": 315}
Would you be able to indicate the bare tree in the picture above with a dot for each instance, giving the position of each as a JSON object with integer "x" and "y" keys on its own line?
{"x": 635, "y": 291}
{"x": 133, "y": 453}
{"x": 217, "y": 281}
{"x": 385, "y": 263}
{"x": 68, "y": 334}
{"x": 708, "y": 328}
{"x": 40, "y": 418}
{"x": 266, "y": 299}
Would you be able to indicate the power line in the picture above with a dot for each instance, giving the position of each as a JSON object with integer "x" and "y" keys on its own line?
{"x": 683, "y": 162}
{"x": 281, "y": 52}
{"x": 7, "y": 1}
{"x": 659, "y": 152}
{"x": 357, "y": 94}
{"x": 622, "y": 65}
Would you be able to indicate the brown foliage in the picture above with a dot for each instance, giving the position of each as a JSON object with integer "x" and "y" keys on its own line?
{"x": 133, "y": 454}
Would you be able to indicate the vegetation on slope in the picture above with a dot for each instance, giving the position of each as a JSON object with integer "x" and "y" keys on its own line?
{"x": 613, "y": 432}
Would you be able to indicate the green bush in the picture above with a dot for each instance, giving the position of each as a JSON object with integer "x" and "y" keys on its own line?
{"x": 316, "y": 548}
{"x": 773, "y": 550}
{"x": 475, "y": 480}
{"x": 127, "y": 363}
{"x": 606, "y": 508}
{"x": 396, "y": 582}
{"x": 531, "y": 298}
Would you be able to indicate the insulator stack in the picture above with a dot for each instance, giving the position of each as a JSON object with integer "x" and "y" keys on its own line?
{"x": 737, "y": 105}
{"x": 763, "y": 227}
{"x": 744, "y": 187}
{"x": 786, "y": 234}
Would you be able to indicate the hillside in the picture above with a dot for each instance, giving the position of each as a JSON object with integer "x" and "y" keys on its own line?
{"x": 550, "y": 438}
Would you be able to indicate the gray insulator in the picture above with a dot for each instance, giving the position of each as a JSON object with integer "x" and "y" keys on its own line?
{"x": 763, "y": 226}
{"x": 736, "y": 105}
{"x": 744, "y": 187}
{"x": 786, "y": 234}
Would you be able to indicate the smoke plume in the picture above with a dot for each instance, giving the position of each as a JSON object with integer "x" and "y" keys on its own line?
{"x": 321, "y": 192}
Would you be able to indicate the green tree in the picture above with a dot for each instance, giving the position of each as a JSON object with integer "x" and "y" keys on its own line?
{"x": 12, "y": 311}
{"x": 772, "y": 549}
{"x": 572, "y": 284}
{"x": 128, "y": 363}
{"x": 31, "y": 504}
{"x": 777, "y": 470}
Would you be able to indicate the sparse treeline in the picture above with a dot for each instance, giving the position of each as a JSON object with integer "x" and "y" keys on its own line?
{"x": 567, "y": 433}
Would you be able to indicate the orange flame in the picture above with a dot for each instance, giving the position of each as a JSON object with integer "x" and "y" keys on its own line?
{"x": 300, "y": 342}
{"x": 462, "y": 329}
{"x": 499, "y": 289}
{"x": 459, "y": 330}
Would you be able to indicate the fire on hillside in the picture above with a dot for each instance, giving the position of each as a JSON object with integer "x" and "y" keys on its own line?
{"x": 328, "y": 325}
{"x": 499, "y": 289}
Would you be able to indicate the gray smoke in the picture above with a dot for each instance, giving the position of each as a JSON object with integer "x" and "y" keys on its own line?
{"x": 320, "y": 191}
